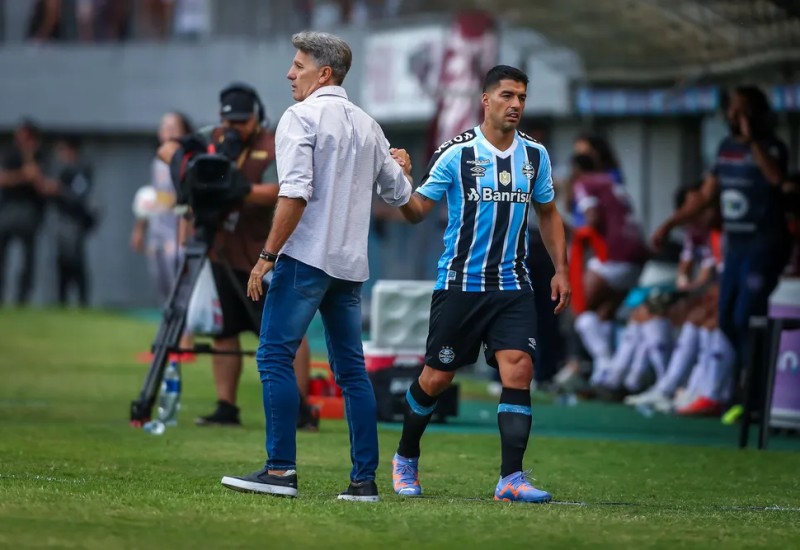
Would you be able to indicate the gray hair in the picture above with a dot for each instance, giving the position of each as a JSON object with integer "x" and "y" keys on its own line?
{"x": 327, "y": 50}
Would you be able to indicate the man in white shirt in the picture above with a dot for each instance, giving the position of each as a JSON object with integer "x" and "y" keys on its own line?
{"x": 329, "y": 154}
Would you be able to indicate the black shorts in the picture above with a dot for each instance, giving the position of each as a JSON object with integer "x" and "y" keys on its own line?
{"x": 239, "y": 313}
{"x": 461, "y": 321}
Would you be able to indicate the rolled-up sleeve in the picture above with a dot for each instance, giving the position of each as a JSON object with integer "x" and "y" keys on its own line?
{"x": 294, "y": 156}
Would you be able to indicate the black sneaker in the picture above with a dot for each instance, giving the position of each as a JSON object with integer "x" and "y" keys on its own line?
{"x": 363, "y": 491}
{"x": 225, "y": 415}
{"x": 264, "y": 483}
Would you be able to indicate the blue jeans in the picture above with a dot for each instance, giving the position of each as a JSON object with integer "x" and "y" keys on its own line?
{"x": 296, "y": 293}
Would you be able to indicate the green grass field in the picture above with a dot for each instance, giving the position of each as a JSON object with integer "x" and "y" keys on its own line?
{"x": 73, "y": 474}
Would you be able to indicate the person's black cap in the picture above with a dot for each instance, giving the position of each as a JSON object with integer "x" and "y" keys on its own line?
{"x": 238, "y": 106}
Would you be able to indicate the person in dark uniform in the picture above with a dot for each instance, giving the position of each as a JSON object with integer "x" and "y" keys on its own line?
{"x": 75, "y": 220}
{"x": 241, "y": 137}
{"x": 746, "y": 179}
{"x": 23, "y": 192}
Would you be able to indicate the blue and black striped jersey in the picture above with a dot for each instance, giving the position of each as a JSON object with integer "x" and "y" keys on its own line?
{"x": 488, "y": 195}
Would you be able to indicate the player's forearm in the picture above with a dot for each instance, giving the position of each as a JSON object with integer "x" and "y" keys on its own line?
{"x": 414, "y": 210}
{"x": 263, "y": 195}
{"x": 695, "y": 204}
{"x": 768, "y": 165}
{"x": 287, "y": 216}
{"x": 551, "y": 228}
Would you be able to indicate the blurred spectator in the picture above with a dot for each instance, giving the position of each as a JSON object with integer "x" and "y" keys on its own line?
{"x": 607, "y": 209}
{"x": 46, "y": 21}
{"x": 156, "y": 18}
{"x": 157, "y": 236}
{"x": 746, "y": 178}
{"x": 24, "y": 188}
{"x": 599, "y": 150}
{"x": 103, "y": 20}
{"x": 192, "y": 18}
{"x": 75, "y": 220}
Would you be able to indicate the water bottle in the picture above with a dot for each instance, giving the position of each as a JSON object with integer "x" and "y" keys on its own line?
{"x": 169, "y": 401}
{"x": 169, "y": 398}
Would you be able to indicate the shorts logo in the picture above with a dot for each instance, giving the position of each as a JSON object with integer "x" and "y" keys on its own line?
{"x": 505, "y": 177}
{"x": 451, "y": 275}
{"x": 473, "y": 195}
{"x": 532, "y": 343}
{"x": 528, "y": 170}
{"x": 447, "y": 355}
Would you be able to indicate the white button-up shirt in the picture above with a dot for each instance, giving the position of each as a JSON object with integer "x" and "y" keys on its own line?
{"x": 330, "y": 153}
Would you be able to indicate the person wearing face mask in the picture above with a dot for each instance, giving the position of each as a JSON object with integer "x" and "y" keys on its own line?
{"x": 746, "y": 179}
{"x": 242, "y": 138}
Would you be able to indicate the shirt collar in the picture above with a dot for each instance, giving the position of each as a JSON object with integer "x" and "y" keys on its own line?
{"x": 337, "y": 91}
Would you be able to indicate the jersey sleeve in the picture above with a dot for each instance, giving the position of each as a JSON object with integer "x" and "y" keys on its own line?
{"x": 439, "y": 176}
{"x": 543, "y": 186}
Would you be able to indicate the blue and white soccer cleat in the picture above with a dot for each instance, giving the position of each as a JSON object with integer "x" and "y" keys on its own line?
{"x": 405, "y": 476}
{"x": 516, "y": 488}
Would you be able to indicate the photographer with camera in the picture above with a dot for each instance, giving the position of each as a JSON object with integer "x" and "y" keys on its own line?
{"x": 746, "y": 178}
{"x": 239, "y": 235}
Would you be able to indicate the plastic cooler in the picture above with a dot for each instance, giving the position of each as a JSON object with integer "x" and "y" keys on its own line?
{"x": 377, "y": 358}
{"x": 785, "y": 303}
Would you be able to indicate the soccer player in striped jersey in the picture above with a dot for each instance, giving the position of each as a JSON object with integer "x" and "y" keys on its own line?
{"x": 490, "y": 176}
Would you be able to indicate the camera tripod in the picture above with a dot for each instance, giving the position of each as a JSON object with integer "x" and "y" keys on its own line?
{"x": 172, "y": 326}
{"x": 208, "y": 190}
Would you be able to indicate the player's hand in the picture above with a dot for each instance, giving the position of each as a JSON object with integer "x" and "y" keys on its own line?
{"x": 255, "y": 286}
{"x": 561, "y": 291}
{"x": 660, "y": 236}
{"x": 402, "y": 158}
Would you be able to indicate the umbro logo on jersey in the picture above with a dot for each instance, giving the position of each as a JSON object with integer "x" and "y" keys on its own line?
{"x": 478, "y": 171}
{"x": 532, "y": 343}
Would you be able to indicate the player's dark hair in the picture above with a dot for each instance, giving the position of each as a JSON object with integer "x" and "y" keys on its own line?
{"x": 599, "y": 144}
{"x": 584, "y": 163}
{"x": 503, "y": 72}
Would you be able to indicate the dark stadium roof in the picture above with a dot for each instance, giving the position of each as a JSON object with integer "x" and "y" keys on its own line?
{"x": 645, "y": 40}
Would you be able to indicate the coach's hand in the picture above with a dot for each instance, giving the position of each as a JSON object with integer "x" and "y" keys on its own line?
{"x": 561, "y": 291}
{"x": 255, "y": 286}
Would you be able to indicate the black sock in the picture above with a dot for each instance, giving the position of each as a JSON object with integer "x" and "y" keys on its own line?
{"x": 514, "y": 421}
{"x": 419, "y": 408}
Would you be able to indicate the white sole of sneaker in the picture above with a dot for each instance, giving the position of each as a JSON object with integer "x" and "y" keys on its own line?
{"x": 262, "y": 488}
{"x": 353, "y": 498}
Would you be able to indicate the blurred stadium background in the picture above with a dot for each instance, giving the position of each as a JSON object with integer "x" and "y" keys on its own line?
{"x": 650, "y": 75}
{"x": 646, "y": 73}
